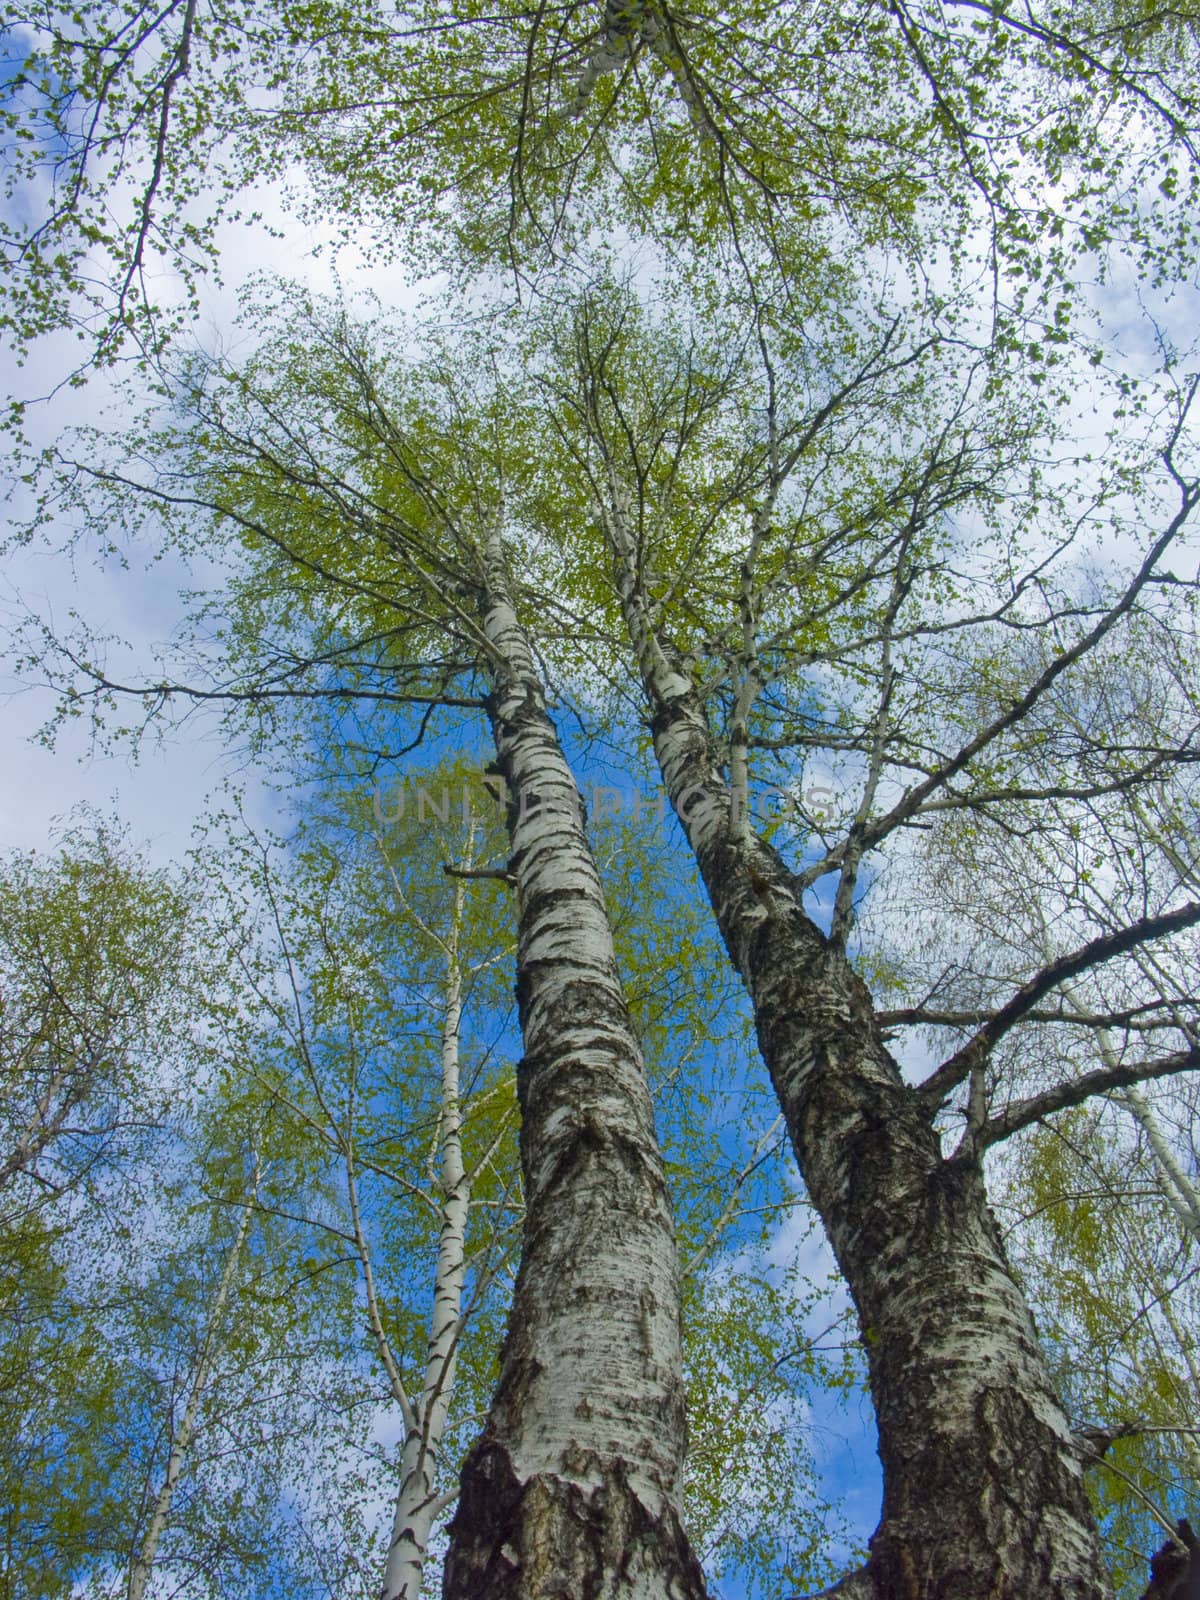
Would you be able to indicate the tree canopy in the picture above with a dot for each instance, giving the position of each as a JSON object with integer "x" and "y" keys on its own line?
{"x": 779, "y": 526}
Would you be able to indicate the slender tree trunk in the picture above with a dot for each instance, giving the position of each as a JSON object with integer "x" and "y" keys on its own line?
{"x": 1181, "y": 1193}
{"x": 1183, "y": 1196}
{"x": 983, "y": 1486}
{"x": 143, "y": 1564}
{"x": 417, "y": 1502}
{"x": 44, "y": 1125}
{"x": 569, "y": 1494}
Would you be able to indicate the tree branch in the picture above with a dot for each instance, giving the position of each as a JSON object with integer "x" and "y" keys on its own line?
{"x": 1073, "y": 1093}
{"x": 914, "y": 801}
{"x": 953, "y": 1072}
{"x": 1136, "y": 1018}
{"x": 500, "y": 874}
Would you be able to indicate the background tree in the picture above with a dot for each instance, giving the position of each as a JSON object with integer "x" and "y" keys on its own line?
{"x": 222, "y": 1360}
{"x": 90, "y": 944}
{"x": 381, "y": 1029}
{"x": 1103, "y": 1259}
{"x": 141, "y": 1443}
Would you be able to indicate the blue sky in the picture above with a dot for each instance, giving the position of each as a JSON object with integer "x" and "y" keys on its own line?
{"x": 172, "y": 783}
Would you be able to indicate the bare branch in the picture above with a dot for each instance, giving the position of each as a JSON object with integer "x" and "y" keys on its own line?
{"x": 913, "y": 802}
{"x": 952, "y": 1072}
{"x": 1144, "y": 1018}
{"x": 1073, "y": 1093}
{"x": 499, "y": 874}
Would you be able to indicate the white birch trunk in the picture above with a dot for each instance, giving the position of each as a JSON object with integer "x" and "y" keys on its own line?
{"x": 43, "y": 1125}
{"x": 143, "y": 1564}
{"x": 417, "y": 1502}
{"x": 1182, "y": 1195}
{"x": 570, "y": 1491}
{"x": 983, "y": 1484}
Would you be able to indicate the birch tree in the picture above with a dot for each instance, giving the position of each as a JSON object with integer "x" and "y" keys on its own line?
{"x": 57, "y": 1379}
{"x": 770, "y": 532}
{"x": 590, "y": 1399}
{"x": 1102, "y": 1258}
{"x": 419, "y": 1501}
{"x": 93, "y": 947}
{"x": 593, "y": 1183}
{"x": 140, "y": 1439}
{"x": 89, "y": 945}
{"x": 956, "y": 1371}
{"x": 211, "y": 1333}
{"x": 392, "y": 996}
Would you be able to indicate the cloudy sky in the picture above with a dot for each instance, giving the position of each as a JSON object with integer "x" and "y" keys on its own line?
{"x": 161, "y": 794}
{"x": 167, "y": 789}
{"x": 163, "y": 791}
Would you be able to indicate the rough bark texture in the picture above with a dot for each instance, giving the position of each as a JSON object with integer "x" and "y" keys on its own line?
{"x": 983, "y": 1485}
{"x": 569, "y": 1493}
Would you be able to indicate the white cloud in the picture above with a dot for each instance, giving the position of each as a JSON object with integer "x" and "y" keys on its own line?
{"x": 175, "y": 777}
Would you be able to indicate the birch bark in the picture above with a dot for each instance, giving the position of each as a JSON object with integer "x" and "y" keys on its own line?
{"x": 45, "y": 1120}
{"x": 983, "y": 1485}
{"x": 570, "y": 1490}
{"x": 417, "y": 1502}
{"x": 1181, "y": 1193}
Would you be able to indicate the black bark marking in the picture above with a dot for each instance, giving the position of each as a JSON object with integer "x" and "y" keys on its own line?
{"x": 551, "y": 1538}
